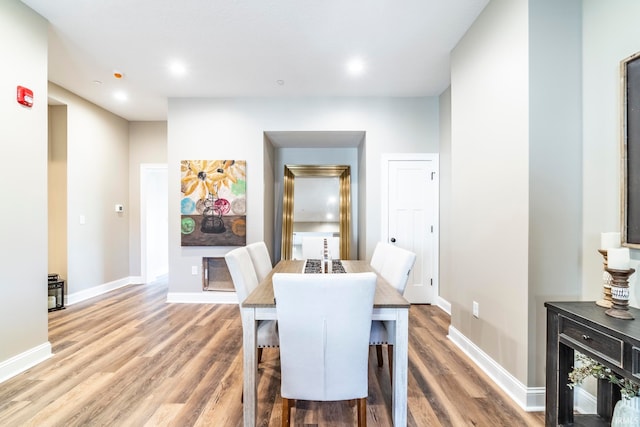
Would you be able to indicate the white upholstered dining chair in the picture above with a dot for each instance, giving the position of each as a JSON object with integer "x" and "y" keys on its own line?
{"x": 245, "y": 281}
{"x": 261, "y": 259}
{"x": 396, "y": 269}
{"x": 379, "y": 256}
{"x": 324, "y": 322}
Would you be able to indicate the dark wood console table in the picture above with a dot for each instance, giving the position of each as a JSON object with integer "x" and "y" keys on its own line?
{"x": 584, "y": 327}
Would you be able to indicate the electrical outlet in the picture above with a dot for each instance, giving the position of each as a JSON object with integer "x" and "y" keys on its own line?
{"x": 476, "y": 309}
{"x": 194, "y": 270}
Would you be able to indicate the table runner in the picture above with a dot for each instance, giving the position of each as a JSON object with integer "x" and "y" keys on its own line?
{"x": 315, "y": 266}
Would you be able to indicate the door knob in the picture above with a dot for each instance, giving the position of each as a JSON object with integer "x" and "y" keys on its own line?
{"x": 393, "y": 240}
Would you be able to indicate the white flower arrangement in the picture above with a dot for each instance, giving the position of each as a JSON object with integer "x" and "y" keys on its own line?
{"x": 590, "y": 368}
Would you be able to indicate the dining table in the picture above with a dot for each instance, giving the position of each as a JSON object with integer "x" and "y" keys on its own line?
{"x": 388, "y": 305}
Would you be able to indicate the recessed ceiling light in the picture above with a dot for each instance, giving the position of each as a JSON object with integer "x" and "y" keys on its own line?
{"x": 280, "y": 82}
{"x": 118, "y": 74}
{"x": 120, "y": 95}
{"x": 177, "y": 68}
{"x": 355, "y": 67}
{"x": 97, "y": 82}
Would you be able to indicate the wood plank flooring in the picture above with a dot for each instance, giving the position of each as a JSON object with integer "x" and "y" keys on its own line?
{"x": 130, "y": 359}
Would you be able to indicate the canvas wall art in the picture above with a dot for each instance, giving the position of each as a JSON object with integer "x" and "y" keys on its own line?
{"x": 213, "y": 203}
{"x": 630, "y": 132}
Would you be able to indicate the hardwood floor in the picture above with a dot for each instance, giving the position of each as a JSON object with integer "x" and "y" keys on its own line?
{"x": 130, "y": 359}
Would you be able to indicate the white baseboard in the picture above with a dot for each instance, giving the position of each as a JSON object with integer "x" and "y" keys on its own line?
{"x": 443, "y": 304}
{"x": 25, "y": 360}
{"x": 528, "y": 398}
{"x": 159, "y": 278}
{"x": 205, "y": 297}
{"x": 584, "y": 402}
{"x": 85, "y": 294}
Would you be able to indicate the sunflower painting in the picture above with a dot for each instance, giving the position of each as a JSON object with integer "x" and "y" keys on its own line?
{"x": 213, "y": 204}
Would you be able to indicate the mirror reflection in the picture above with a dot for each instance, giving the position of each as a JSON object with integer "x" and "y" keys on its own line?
{"x": 316, "y": 215}
{"x": 316, "y": 205}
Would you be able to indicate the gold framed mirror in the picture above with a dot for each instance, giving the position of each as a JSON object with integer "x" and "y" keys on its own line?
{"x": 290, "y": 173}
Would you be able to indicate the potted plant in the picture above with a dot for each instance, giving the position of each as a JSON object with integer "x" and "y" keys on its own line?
{"x": 627, "y": 409}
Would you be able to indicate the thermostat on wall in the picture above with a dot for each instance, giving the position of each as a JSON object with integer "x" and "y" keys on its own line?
{"x": 25, "y": 96}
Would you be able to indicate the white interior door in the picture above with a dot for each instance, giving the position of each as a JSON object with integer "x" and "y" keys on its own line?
{"x": 411, "y": 214}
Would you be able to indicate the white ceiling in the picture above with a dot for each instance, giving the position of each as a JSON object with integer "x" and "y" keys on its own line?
{"x": 237, "y": 48}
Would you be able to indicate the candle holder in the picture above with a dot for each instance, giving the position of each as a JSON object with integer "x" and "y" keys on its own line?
{"x": 620, "y": 294}
{"x": 606, "y": 279}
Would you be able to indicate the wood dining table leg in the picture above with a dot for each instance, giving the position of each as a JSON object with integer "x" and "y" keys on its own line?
{"x": 400, "y": 368}
{"x": 249, "y": 332}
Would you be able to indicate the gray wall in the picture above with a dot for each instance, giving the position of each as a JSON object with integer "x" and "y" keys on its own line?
{"x": 555, "y": 166}
{"x": 57, "y": 190}
{"x": 490, "y": 184}
{"x": 23, "y": 185}
{"x": 445, "y": 269}
{"x": 147, "y": 144}
{"x": 516, "y": 162}
{"x": 97, "y": 180}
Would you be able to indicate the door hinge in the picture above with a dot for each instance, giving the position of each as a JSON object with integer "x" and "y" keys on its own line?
{"x": 432, "y": 228}
{"x": 432, "y": 174}
{"x": 431, "y": 280}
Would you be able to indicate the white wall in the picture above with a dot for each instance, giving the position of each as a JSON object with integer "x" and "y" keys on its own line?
{"x": 97, "y": 180}
{"x": 611, "y": 33}
{"x": 234, "y": 129}
{"x": 23, "y": 185}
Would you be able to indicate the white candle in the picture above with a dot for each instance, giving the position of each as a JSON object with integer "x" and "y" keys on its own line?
{"x": 610, "y": 240}
{"x": 618, "y": 258}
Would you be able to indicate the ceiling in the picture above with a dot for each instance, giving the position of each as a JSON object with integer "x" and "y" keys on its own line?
{"x": 249, "y": 48}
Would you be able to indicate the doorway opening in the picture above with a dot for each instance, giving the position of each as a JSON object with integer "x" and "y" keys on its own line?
{"x": 154, "y": 223}
{"x": 57, "y": 200}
